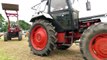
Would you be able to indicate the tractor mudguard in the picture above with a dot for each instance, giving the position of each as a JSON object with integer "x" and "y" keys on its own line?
{"x": 58, "y": 27}
{"x": 41, "y": 16}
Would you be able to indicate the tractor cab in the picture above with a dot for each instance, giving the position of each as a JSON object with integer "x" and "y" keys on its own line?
{"x": 14, "y": 27}
{"x": 63, "y": 12}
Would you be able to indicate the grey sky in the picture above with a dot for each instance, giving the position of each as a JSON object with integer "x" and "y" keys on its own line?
{"x": 25, "y": 12}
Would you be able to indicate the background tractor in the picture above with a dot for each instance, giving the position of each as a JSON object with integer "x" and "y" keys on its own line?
{"x": 57, "y": 26}
{"x": 11, "y": 10}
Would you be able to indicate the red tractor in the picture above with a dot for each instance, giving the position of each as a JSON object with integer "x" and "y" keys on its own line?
{"x": 11, "y": 10}
{"x": 57, "y": 26}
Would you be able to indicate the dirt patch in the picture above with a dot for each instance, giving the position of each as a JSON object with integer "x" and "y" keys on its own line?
{"x": 19, "y": 50}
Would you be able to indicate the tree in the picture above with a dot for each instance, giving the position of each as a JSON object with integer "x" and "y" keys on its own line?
{"x": 4, "y": 27}
{"x": 1, "y": 20}
{"x": 24, "y": 25}
{"x": 3, "y": 24}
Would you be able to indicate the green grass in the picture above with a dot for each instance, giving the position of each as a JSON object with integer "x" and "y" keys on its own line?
{"x": 4, "y": 56}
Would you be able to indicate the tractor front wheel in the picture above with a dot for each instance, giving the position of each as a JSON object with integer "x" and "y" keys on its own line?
{"x": 93, "y": 43}
{"x": 42, "y": 38}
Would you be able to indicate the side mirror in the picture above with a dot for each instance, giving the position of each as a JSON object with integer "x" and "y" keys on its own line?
{"x": 88, "y": 5}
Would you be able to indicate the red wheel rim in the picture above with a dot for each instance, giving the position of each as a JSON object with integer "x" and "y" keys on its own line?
{"x": 98, "y": 46}
{"x": 39, "y": 37}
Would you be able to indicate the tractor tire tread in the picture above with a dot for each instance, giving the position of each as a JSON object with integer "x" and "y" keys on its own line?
{"x": 51, "y": 38}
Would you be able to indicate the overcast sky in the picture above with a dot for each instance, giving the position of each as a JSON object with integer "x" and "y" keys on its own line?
{"x": 25, "y": 12}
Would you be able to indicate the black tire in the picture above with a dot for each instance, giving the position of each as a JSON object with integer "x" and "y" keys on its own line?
{"x": 63, "y": 47}
{"x": 5, "y": 37}
{"x": 87, "y": 37}
{"x": 20, "y": 36}
{"x": 51, "y": 39}
{"x": 9, "y": 38}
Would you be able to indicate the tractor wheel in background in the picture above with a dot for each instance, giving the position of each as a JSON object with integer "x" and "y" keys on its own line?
{"x": 9, "y": 38}
{"x": 5, "y": 36}
{"x": 20, "y": 36}
{"x": 93, "y": 43}
{"x": 42, "y": 38}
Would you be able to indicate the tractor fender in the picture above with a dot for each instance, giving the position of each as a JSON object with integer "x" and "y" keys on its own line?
{"x": 58, "y": 27}
{"x": 41, "y": 16}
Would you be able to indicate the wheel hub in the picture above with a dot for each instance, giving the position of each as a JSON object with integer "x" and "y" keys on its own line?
{"x": 101, "y": 47}
{"x": 39, "y": 38}
{"x": 98, "y": 46}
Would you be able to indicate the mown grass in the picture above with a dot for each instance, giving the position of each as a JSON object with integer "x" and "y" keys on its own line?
{"x": 4, "y": 56}
{"x": 19, "y": 50}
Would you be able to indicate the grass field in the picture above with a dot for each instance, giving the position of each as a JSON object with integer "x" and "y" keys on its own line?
{"x": 19, "y": 50}
{"x": 3, "y": 55}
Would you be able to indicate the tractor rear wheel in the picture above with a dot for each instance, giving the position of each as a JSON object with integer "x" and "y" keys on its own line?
{"x": 5, "y": 36}
{"x": 93, "y": 43}
{"x": 20, "y": 36}
{"x": 42, "y": 38}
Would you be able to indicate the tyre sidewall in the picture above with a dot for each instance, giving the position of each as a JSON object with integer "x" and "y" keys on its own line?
{"x": 87, "y": 36}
